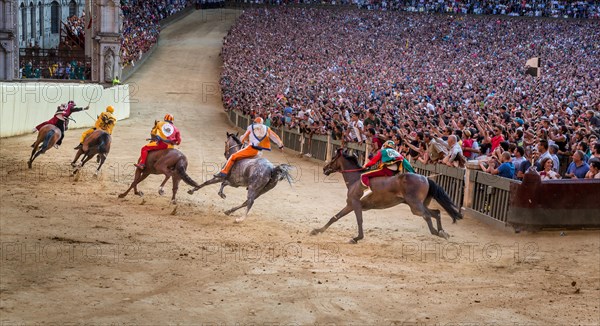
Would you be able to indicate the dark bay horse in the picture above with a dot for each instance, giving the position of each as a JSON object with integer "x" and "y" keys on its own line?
{"x": 96, "y": 143}
{"x": 257, "y": 174}
{"x": 48, "y": 136}
{"x": 170, "y": 162}
{"x": 412, "y": 189}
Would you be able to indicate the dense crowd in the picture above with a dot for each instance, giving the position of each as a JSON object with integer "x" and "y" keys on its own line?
{"x": 447, "y": 89}
{"x": 141, "y": 25}
{"x": 538, "y": 8}
{"x": 76, "y": 25}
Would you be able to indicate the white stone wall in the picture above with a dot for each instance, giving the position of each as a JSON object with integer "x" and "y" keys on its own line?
{"x": 43, "y": 35}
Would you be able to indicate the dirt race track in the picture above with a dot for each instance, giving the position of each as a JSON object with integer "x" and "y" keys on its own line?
{"x": 73, "y": 253}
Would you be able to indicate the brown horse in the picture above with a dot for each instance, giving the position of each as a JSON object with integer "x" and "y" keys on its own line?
{"x": 170, "y": 162}
{"x": 412, "y": 189}
{"x": 96, "y": 143}
{"x": 47, "y": 136}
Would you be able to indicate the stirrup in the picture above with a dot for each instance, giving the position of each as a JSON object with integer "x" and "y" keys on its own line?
{"x": 78, "y": 146}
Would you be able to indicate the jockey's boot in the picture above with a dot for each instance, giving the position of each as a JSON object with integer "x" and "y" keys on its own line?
{"x": 140, "y": 166}
{"x": 78, "y": 146}
{"x": 220, "y": 175}
{"x": 365, "y": 190}
{"x": 34, "y": 130}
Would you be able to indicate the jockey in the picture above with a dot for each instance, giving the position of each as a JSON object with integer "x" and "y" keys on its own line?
{"x": 61, "y": 119}
{"x": 164, "y": 135}
{"x": 387, "y": 159}
{"x": 260, "y": 137}
{"x": 106, "y": 121}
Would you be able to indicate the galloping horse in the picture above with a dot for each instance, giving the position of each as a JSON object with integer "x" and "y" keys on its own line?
{"x": 98, "y": 142}
{"x": 48, "y": 136}
{"x": 257, "y": 174}
{"x": 412, "y": 189}
{"x": 170, "y": 162}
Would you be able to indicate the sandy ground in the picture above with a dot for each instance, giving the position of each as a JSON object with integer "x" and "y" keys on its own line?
{"x": 73, "y": 253}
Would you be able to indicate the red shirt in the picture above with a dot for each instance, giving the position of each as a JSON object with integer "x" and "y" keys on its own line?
{"x": 496, "y": 140}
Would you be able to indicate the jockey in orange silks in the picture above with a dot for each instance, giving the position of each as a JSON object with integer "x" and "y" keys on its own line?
{"x": 260, "y": 137}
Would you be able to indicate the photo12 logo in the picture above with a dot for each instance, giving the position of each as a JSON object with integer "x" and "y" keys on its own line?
{"x": 454, "y": 252}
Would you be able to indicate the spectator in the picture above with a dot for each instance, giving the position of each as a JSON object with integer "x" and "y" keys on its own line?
{"x": 578, "y": 168}
{"x": 455, "y": 155}
{"x": 594, "y": 172}
{"x": 506, "y": 169}
{"x": 548, "y": 172}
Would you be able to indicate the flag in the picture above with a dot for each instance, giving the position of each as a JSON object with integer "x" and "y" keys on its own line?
{"x": 533, "y": 67}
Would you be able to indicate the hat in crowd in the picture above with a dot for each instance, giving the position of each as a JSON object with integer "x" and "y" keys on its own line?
{"x": 519, "y": 121}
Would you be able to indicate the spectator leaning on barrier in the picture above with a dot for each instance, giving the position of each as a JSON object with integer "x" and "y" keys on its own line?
{"x": 506, "y": 169}
{"x": 578, "y": 168}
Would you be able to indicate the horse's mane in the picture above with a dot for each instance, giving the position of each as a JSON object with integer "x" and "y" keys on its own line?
{"x": 237, "y": 140}
{"x": 352, "y": 158}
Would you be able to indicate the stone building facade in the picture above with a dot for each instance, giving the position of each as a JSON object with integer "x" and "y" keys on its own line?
{"x": 40, "y": 20}
{"x": 25, "y": 22}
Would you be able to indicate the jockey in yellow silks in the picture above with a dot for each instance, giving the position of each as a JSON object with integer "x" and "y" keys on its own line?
{"x": 260, "y": 137}
{"x": 106, "y": 121}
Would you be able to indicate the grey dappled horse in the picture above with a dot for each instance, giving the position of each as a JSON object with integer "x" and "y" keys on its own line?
{"x": 257, "y": 174}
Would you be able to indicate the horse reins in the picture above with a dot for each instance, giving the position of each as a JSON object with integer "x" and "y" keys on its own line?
{"x": 353, "y": 170}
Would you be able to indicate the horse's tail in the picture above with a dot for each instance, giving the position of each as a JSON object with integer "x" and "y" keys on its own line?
{"x": 181, "y": 166}
{"x": 282, "y": 172}
{"x": 47, "y": 138}
{"x": 444, "y": 200}
{"x": 104, "y": 139}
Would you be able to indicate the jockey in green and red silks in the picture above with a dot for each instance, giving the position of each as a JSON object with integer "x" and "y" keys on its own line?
{"x": 388, "y": 160}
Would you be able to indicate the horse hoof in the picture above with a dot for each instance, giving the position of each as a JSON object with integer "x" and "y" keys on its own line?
{"x": 161, "y": 192}
{"x": 443, "y": 234}
{"x": 222, "y": 195}
{"x": 174, "y": 202}
{"x": 122, "y": 196}
{"x": 352, "y": 241}
{"x": 191, "y": 191}
{"x": 228, "y": 213}
{"x": 29, "y": 164}
{"x": 315, "y": 232}
{"x": 73, "y": 164}
{"x": 139, "y": 193}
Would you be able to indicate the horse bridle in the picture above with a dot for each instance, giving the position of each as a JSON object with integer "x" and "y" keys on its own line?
{"x": 230, "y": 147}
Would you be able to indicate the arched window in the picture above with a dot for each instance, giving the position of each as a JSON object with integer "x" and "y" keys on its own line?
{"x": 24, "y": 22}
{"x": 41, "y": 15}
{"x": 72, "y": 8}
{"x": 54, "y": 17}
{"x": 32, "y": 19}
